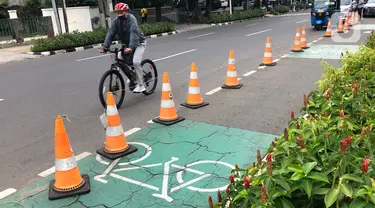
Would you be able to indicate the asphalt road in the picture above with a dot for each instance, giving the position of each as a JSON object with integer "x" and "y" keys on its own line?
{"x": 33, "y": 92}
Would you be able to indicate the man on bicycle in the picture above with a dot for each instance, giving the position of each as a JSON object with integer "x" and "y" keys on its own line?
{"x": 125, "y": 26}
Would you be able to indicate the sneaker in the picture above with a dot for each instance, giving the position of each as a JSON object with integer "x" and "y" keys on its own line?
{"x": 139, "y": 89}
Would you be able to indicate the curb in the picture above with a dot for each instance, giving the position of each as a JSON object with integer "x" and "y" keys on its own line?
{"x": 236, "y": 21}
{"x": 82, "y": 48}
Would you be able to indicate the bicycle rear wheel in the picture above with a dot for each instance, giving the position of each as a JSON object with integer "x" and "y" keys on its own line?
{"x": 116, "y": 86}
{"x": 150, "y": 76}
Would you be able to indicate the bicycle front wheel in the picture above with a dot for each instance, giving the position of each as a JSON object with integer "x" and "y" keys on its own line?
{"x": 150, "y": 76}
{"x": 116, "y": 85}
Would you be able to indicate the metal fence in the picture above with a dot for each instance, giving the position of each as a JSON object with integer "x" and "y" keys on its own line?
{"x": 31, "y": 26}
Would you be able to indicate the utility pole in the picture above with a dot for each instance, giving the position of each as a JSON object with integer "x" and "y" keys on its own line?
{"x": 57, "y": 17}
{"x": 230, "y": 7}
{"x": 65, "y": 17}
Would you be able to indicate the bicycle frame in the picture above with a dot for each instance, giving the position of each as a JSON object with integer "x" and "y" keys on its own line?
{"x": 118, "y": 63}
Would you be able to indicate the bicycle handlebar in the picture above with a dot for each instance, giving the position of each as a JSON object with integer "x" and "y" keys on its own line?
{"x": 116, "y": 50}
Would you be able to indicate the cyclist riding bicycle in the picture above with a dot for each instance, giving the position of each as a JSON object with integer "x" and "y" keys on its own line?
{"x": 125, "y": 26}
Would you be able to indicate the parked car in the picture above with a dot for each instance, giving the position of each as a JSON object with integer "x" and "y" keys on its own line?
{"x": 224, "y": 3}
{"x": 369, "y": 8}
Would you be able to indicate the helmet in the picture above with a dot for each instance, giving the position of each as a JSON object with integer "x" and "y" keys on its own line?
{"x": 121, "y": 7}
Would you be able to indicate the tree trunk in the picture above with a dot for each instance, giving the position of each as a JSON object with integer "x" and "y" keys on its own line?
{"x": 158, "y": 12}
{"x": 197, "y": 14}
{"x": 208, "y": 8}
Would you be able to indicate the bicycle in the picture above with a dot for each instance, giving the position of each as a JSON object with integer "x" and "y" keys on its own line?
{"x": 162, "y": 192}
{"x": 126, "y": 66}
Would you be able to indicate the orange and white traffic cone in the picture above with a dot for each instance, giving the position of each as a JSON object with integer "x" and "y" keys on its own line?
{"x": 68, "y": 179}
{"x": 231, "y": 81}
{"x": 351, "y": 18}
{"x": 194, "y": 98}
{"x": 267, "y": 60}
{"x": 329, "y": 29}
{"x": 340, "y": 28}
{"x": 297, "y": 42}
{"x": 303, "y": 39}
{"x": 168, "y": 114}
{"x": 356, "y": 18}
{"x": 116, "y": 145}
{"x": 346, "y": 24}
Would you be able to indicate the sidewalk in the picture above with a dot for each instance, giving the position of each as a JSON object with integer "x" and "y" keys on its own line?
{"x": 15, "y": 54}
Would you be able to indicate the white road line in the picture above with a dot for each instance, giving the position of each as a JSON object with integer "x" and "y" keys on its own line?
{"x": 320, "y": 38}
{"x": 276, "y": 60}
{"x": 315, "y": 41}
{"x": 7, "y": 192}
{"x": 368, "y": 32}
{"x": 94, "y": 57}
{"x": 201, "y": 35}
{"x": 309, "y": 44}
{"x": 187, "y": 169}
{"x": 284, "y": 56}
{"x": 177, "y": 54}
{"x": 99, "y": 177}
{"x": 249, "y": 73}
{"x": 135, "y": 168}
{"x": 52, "y": 170}
{"x": 132, "y": 131}
{"x": 99, "y": 159}
{"x": 213, "y": 91}
{"x": 150, "y": 121}
{"x": 258, "y": 32}
{"x": 1, "y": 99}
{"x": 301, "y": 21}
{"x": 252, "y": 24}
{"x": 286, "y": 18}
{"x": 262, "y": 67}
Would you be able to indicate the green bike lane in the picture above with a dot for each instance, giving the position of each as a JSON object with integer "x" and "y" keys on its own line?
{"x": 175, "y": 166}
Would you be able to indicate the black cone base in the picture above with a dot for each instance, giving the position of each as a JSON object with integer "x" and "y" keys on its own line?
{"x": 327, "y": 36}
{"x": 114, "y": 156}
{"x": 168, "y": 123}
{"x": 297, "y": 50}
{"x": 84, "y": 189}
{"x": 194, "y": 106}
{"x": 305, "y": 47}
{"x": 232, "y": 87}
{"x": 270, "y": 64}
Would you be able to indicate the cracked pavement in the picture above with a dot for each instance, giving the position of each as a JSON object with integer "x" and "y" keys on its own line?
{"x": 189, "y": 141}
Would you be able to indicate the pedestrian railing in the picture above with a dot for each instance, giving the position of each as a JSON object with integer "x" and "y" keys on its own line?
{"x": 31, "y": 26}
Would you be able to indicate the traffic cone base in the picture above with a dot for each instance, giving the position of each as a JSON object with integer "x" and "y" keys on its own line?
{"x": 305, "y": 47}
{"x": 168, "y": 123}
{"x": 327, "y": 36}
{"x": 116, "y": 155}
{"x": 83, "y": 189}
{"x": 297, "y": 50}
{"x": 195, "y": 106}
{"x": 268, "y": 64}
{"x": 232, "y": 87}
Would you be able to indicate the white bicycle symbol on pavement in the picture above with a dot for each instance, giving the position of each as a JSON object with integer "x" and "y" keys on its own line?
{"x": 164, "y": 189}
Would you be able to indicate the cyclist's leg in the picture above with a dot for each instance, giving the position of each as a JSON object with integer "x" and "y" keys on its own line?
{"x": 137, "y": 59}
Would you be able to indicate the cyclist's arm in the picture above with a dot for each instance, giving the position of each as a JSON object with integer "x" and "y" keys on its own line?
{"x": 110, "y": 34}
{"x": 135, "y": 33}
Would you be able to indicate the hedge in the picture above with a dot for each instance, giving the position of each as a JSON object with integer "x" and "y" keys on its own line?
{"x": 236, "y": 15}
{"x": 325, "y": 157}
{"x": 77, "y": 39}
{"x": 280, "y": 10}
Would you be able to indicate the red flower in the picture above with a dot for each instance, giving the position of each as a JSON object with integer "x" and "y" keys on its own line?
{"x": 326, "y": 134}
{"x": 231, "y": 178}
{"x": 292, "y": 115}
{"x": 210, "y": 203}
{"x": 343, "y": 145}
{"x": 236, "y": 166}
{"x": 269, "y": 164}
{"x": 228, "y": 191}
{"x": 341, "y": 127}
{"x": 341, "y": 113}
{"x": 328, "y": 94}
{"x": 365, "y": 165}
{"x": 269, "y": 157}
{"x": 349, "y": 140}
{"x": 264, "y": 194}
{"x": 247, "y": 182}
{"x": 326, "y": 114}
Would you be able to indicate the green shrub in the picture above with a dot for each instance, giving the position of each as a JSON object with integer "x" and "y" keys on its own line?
{"x": 280, "y": 10}
{"x": 371, "y": 41}
{"x": 156, "y": 28}
{"x": 77, "y": 39}
{"x": 237, "y": 15}
{"x": 325, "y": 157}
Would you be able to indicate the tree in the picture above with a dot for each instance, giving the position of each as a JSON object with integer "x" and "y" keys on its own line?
{"x": 158, "y": 4}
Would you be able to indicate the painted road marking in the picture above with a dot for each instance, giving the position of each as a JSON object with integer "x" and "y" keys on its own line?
{"x": 189, "y": 182}
{"x": 52, "y": 170}
{"x": 99, "y": 159}
{"x": 148, "y": 153}
{"x": 177, "y": 54}
{"x": 249, "y": 73}
{"x": 252, "y": 24}
{"x": 201, "y": 35}
{"x": 276, "y": 60}
{"x": 285, "y": 55}
{"x": 309, "y": 44}
{"x": 213, "y": 91}
{"x": 258, "y": 32}
{"x": 286, "y": 18}
{"x": 134, "y": 182}
{"x": 164, "y": 189}
{"x": 7, "y": 192}
{"x": 1, "y": 100}
{"x": 262, "y": 67}
{"x": 94, "y": 57}
{"x": 301, "y": 21}
{"x": 99, "y": 177}
{"x": 135, "y": 168}
{"x": 368, "y": 32}
{"x": 132, "y": 131}
{"x": 150, "y": 121}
